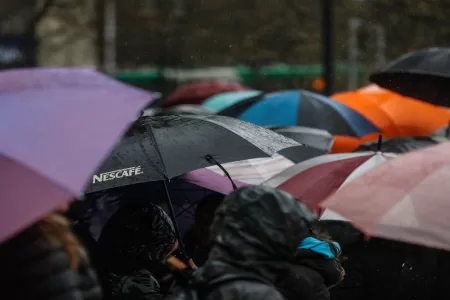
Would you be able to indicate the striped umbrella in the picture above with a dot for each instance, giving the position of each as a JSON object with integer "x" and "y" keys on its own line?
{"x": 255, "y": 171}
{"x": 312, "y": 181}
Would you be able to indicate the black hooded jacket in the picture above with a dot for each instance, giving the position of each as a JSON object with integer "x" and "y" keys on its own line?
{"x": 254, "y": 237}
{"x": 310, "y": 277}
{"x": 134, "y": 242}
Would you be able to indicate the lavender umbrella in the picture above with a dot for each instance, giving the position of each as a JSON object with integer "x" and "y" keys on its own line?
{"x": 56, "y": 125}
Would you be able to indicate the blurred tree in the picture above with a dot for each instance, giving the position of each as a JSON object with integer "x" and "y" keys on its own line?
{"x": 226, "y": 32}
{"x": 412, "y": 25}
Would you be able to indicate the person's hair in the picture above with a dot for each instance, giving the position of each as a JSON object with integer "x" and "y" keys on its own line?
{"x": 56, "y": 227}
{"x": 325, "y": 236}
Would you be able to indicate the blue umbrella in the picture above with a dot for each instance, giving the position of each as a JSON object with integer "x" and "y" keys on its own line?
{"x": 222, "y": 101}
{"x": 301, "y": 108}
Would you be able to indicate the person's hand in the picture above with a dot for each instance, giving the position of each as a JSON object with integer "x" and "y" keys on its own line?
{"x": 192, "y": 264}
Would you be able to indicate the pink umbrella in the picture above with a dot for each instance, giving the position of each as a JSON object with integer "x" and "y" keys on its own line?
{"x": 56, "y": 125}
{"x": 405, "y": 199}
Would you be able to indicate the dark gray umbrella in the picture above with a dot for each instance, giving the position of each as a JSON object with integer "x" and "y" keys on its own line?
{"x": 161, "y": 148}
{"x": 316, "y": 141}
{"x": 423, "y": 74}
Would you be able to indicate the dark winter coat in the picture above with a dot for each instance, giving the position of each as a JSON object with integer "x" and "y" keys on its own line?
{"x": 134, "y": 242}
{"x": 310, "y": 277}
{"x": 254, "y": 237}
{"x": 36, "y": 267}
{"x": 381, "y": 269}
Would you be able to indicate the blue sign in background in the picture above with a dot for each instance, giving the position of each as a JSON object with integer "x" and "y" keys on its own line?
{"x": 12, "y": 51}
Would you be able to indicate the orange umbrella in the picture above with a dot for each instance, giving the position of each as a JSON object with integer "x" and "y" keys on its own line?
{"x": 394, "y": 114}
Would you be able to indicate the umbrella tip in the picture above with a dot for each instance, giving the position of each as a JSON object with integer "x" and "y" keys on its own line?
{"x": 380, "y": 141}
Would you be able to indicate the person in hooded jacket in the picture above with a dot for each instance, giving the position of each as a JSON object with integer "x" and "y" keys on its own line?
{"x": 134, "y": 242}
{"x": 317, "y": 268}
{"x": 255, "y": 234}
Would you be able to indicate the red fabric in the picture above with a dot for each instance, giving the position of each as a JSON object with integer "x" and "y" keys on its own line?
{"x": 405, "y": 199}
{"x": 197, "y": 92}
{"x": 315, "y": 184}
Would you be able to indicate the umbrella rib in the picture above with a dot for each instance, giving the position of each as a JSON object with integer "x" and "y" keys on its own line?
{"x": 158, "y": 151}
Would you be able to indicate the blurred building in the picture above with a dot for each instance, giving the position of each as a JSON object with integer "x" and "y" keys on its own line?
{"x": 14, "y": 21}
{"x": 48, "y": 33}
{"x": 67, "y": 34}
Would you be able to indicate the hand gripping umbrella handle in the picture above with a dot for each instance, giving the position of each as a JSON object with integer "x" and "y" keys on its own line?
{"x": 211, "y": 160}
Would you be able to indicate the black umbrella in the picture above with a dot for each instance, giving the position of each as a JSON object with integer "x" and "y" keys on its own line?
{"x": 423, "y": 75}
{"x": 317, "y": 142}
{"x": 401, "y": 144}
{"x": 185, "y": 109}
{"x": 161, "y": 148}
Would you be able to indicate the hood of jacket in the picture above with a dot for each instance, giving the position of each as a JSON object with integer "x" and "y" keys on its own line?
{"x": 137, "y": 237}
{"x": 256, "y": 231}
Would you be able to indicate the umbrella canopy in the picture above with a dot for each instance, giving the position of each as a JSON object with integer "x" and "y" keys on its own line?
{"x": 317, "y": 142}
{"x": 311, "y": 137}
{"x": 224, "y": 100}
{"x": 405, "y": 199}
{"x": 312, "y": 181}
{"x": 402, "y": 144}
{"x": 302, "y": 108}
{"x": 255, "y": 171}
{"x": 393, "y": 114}
{"x": 197, "y": 92}
{"x": 423, "y": 74}
{"x": 54, "y": 131}
{"x": 161, "y": 148}
{"x": 184, "y": 109}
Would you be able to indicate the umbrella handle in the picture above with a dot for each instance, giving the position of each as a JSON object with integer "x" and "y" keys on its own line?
{"x": 174, "y": 220}
{"x": 211, "y": 160}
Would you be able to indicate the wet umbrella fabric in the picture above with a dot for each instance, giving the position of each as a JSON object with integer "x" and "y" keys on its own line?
{"x": 312, "y": 181}
{"x": 405, "y": 199}
{"x": 56, "y": 125}
{"x": 197, "y": 92}
{"x": 402, "y": 144}
{"x": 161, "y": 148}
{"x": 423, "y": 75}
{"x": 222, "y": 101}
{"x": 316, "y": 141}
{"x": 301, "y": 108}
